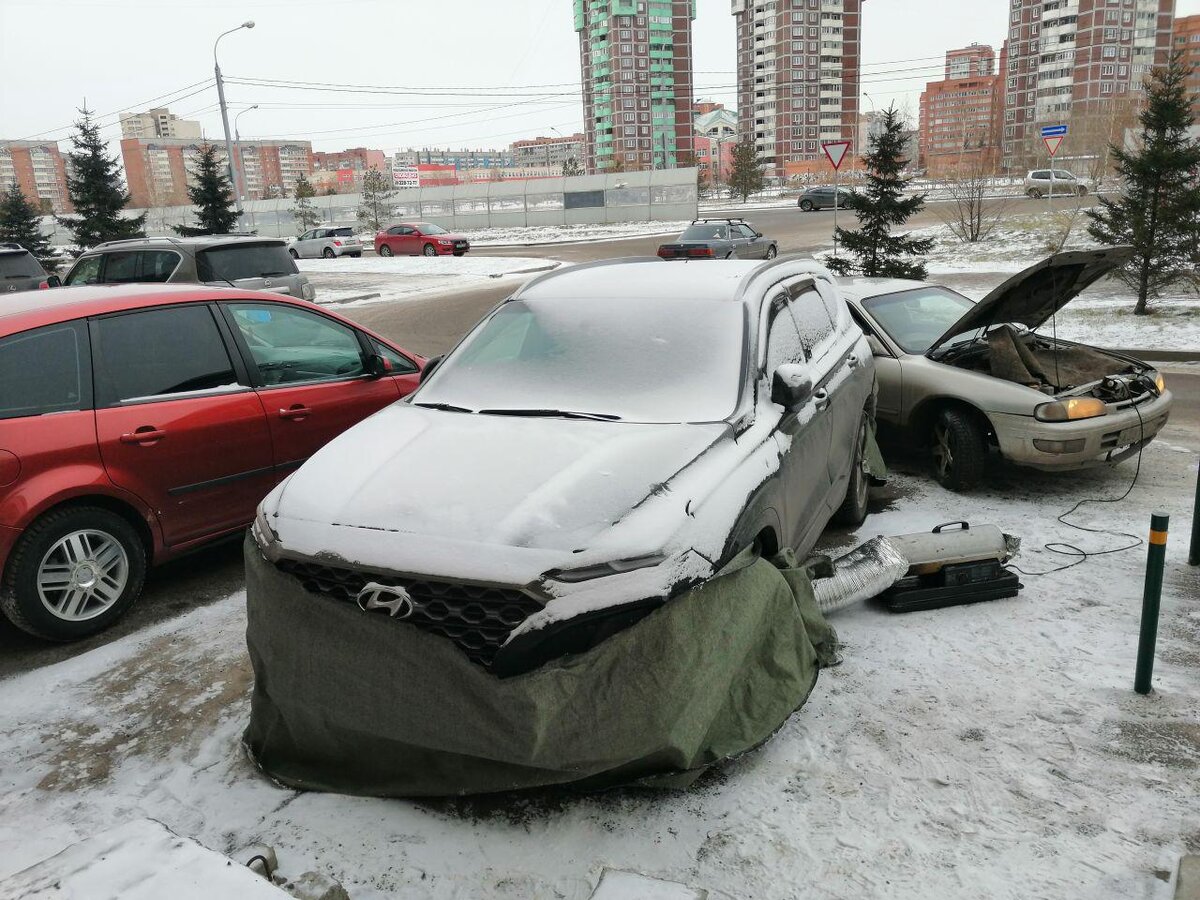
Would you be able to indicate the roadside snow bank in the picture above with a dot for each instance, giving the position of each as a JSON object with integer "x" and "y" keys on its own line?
{"x": 568, "y": 234}
{"x": 433, "y": 266}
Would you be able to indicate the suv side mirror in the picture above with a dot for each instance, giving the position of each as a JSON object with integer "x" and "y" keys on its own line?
{"x": 430, "y": 365}
{"x": 791, "y": 385}
{"x": 876, "y": 345}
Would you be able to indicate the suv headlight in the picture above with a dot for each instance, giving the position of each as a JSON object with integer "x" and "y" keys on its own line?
{"x": 1070, "y": 409}
{"x": 602, "y": 570}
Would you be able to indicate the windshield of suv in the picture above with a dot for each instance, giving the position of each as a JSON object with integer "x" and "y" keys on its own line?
{"x": 704, "y": 233}
{"x": 19, "y": 265}
{"x": 428, "y": 228}
{"x": 915, "y": 319}
{"x": 237, "y": 261}
{"x": 638, "y": 360}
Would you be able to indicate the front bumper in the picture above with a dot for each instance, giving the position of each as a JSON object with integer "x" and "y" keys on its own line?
{"x": 450, "y": 249}
{"x": 1107, "y": 440}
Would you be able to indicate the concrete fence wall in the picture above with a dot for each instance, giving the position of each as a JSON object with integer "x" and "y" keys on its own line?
{"x": 664, "y": 195}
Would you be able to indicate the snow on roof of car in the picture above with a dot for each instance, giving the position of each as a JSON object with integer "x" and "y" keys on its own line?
{"x": 861, "y": 288}
{"x": 649, "y": 277}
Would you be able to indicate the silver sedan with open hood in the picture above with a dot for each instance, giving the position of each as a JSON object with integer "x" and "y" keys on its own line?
{"x": 961, "y": 377}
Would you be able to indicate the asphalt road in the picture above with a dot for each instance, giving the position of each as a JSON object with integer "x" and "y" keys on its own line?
{"x": 430, "y": 326}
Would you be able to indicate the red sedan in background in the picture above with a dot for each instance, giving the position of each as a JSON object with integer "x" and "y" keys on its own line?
{"x": 419, "y": 239}
{"x": 140, "y": 421}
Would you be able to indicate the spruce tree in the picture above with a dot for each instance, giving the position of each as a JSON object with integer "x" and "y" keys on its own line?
{"x": 745, "y": 177}
{"x": 96, "y": 190}
{"x": 21, "y": 224}
{"x": 212, "y": 196}
{"x": 880, "y": 207}
{"x": 1158, "y": 210}
{"x": 376, "y": 194}
{"x": 306, "y": 216}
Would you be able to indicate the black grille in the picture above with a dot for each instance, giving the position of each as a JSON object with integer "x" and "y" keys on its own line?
{"x": 476, "y": 619}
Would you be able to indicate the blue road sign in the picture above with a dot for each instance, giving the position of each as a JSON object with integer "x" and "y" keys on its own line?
{"x": 1053, "y": 130}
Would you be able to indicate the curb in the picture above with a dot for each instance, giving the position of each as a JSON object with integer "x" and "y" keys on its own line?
{"x": 1161, "y": 355}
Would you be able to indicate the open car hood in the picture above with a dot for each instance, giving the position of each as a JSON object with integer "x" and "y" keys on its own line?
{"x": 1032, "y": 296}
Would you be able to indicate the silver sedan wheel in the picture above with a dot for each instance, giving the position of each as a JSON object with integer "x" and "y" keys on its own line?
{"x": 943, "y": 456}
{"x": 83, "y": 575}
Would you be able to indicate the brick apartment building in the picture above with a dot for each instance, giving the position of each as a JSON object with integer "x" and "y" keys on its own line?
{"x": 798, "y": 68}
{"x": 636, "y": 62}
{"x": 549, "y": 153}
{"x": 38, "y": 169}
{"x": 343, "y": 171}
{"x": 1077, "y": 63}
{"x": 158, "y": 171}
{"x": 159, "y": 123}
{"x": 960, "y": 115}
{"x": 1187, "y": 40}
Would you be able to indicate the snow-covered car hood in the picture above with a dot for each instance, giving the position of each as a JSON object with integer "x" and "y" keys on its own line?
{"x": 1033, "y": 295}
{"x": 535, "y": 483}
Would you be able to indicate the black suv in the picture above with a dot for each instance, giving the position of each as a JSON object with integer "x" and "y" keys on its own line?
{"x": 20, "y": 270}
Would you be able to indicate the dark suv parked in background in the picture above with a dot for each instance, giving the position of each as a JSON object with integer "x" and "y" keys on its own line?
{"x": 821, "y": 197}
{"x": 254, "y": 263}
{"x": 20, "y": 270}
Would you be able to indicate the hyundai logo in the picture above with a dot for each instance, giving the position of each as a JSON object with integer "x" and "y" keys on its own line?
{"x": 396, "y": 600}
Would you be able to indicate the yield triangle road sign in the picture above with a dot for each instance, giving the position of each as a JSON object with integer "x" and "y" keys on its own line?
{"x": 1053, "y": 143}
{"x": 836, "y": 152}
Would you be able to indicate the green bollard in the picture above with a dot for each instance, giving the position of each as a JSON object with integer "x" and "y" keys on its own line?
{"x": 1156, "y": 554}
{"x": 1194, "y": 552}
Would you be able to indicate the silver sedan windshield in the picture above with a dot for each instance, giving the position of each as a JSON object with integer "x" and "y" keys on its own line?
{"x": 632, "y": 360}
{"x": 915, "y": 319}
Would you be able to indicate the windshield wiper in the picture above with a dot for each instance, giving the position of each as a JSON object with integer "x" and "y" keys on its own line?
{"x": 448, "y": 407}
{"x": 552, "y": 413}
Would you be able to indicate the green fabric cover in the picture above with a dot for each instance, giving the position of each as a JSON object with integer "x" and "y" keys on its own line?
{"x": 359, "y": 703}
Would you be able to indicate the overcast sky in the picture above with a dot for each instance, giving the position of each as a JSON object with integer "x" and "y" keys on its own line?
{"x": 470, "y": 73}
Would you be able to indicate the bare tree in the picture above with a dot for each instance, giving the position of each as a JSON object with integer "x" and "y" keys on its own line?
{"x": 973, "y": 213}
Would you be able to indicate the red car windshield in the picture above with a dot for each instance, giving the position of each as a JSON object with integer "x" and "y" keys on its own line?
{"x": 428, "y": 228}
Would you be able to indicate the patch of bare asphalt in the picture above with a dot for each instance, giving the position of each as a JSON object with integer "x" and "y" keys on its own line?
{"x": 165, "y": 700}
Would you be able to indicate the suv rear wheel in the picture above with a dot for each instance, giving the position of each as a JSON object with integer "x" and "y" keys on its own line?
{"x": 853, "y": 510}
{"x": 74, "y": 572}
{"x": 806, "y": 205}
{"x": 1034, "y": 194}
{"x": 328, "y": 253}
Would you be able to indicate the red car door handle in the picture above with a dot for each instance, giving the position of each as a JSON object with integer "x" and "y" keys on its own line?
{"x": 295, "y": 412}
{"x": 147, "y": 434}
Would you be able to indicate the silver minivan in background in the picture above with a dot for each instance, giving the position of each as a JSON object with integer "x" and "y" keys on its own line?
{"x": 250, "y": 262}
{"x": 1038, "y": 183}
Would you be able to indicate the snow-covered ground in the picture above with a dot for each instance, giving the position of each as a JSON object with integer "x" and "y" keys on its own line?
{"x": 356, "y": 282}
{"x": 568, "y": 234}
{"x": 988, "y": 751}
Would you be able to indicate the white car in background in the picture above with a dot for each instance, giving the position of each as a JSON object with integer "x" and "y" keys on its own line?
{"x": 329, "y": 243}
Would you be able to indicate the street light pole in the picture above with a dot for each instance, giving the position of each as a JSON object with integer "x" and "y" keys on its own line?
{"x": 233, "y": 179}
{"x": 237, "y": 148}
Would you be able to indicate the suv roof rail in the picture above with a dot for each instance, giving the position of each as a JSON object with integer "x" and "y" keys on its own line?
{"x": 10, "y": 245}
{"x": 135, "y": 241}
{"x": 594, "y": 264}
{"x": 732, "y": 220}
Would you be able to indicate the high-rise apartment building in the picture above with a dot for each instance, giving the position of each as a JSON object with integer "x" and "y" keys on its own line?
{"x": 158, "y": 123}
{"x": 342, "y": 171}
{"x": 798, "y": 64}
{"x": 1080, "y": 62}
{"x": 159, "y": 171}
{"x": 636, "y": 62}
{"x": 1187, "y": 41}
{"x": 38, "y": 170}
{"x": 960, "y": 115}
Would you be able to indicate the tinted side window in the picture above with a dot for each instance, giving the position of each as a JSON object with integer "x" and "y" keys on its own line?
{"x": 122, "y": 266}
{"x": 290, "y": 345}
{"x": 43, "y": 371}
{"x": 398, "y": 364}
{"x": 158, "y": 352}
{"x": 783, "y": 341}
{"x": 86, "y": 271}
{"x": 157, "y": 265}
{"x": 812, "y": 319}
{"x": 244, "y": 261}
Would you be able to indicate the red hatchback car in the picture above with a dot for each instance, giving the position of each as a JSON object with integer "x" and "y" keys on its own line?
{"x": 140, "y": 421}
{"x": 419, "y": 239}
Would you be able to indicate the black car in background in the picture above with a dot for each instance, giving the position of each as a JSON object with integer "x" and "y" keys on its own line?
{"x": 720, "y": 239}
{"x": 20, "y": 270}
{"x": 821, "y": 197}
